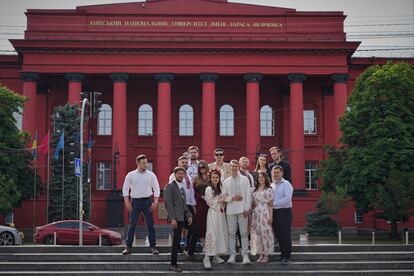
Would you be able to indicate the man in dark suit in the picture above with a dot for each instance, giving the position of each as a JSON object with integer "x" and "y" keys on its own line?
{"x": 178, "y": 213}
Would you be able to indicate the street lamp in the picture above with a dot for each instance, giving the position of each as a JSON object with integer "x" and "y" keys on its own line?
{"x": 116, "y": 161}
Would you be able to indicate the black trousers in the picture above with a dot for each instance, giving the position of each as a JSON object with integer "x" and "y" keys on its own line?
{"x": 177, "y": 238}
{"x": 193, "y": 232}
{"x": 176, "y": 242}
{"x": 282, "y": 221}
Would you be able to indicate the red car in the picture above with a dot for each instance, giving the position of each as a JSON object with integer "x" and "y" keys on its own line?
{"x": 67, "y": 232}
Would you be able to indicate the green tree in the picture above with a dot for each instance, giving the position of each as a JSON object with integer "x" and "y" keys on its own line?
{"x": 332, "y": 202}
{"x": 66, "y": 119}
{"x": 16, "y": 170}
{"x": 378, "y": 131}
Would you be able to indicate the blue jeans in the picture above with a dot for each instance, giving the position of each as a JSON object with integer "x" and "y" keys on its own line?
{"x": 141, "y": 205}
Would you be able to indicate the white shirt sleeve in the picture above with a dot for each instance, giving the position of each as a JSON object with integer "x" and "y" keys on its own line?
{"x": 247, "y": 194}
{"x": 155, "y": 186}
{"x": 171, "y": 179}
{"x": 287, "y": 192}
{"x": 127, "y": 185}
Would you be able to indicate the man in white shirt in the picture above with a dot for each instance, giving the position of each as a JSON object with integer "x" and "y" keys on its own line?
{"x": 282, "y": 213}
{"x": 236, "y": 190}
{"x": 187, "y": 185}
{"x": 193, "y": 153}
{"x": 141, "y": 185}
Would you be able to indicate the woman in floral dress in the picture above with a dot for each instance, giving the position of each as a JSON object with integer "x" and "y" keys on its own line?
{"x": 262, "y": 238}
{"x": 216, "y": 241}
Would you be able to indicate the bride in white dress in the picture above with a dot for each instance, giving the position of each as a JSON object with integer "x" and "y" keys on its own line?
{"x": 216, "y": 241}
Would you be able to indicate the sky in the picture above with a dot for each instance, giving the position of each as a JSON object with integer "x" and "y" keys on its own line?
{"x": 385, "y": 27}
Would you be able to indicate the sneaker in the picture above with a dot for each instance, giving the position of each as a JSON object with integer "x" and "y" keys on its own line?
{"x": 232, "y": 259}
{"x": 246, "y": 259}
{"x": 154, "y": 251}
{"x": 183, "y": 243}
{"x": 175, "y": 268}
{"x": 218, "y": 260}
{"x": 207, "y": 263}
{"x": 127, "y": 251}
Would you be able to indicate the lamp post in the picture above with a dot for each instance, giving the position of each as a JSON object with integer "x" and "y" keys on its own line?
{"x": 116, "y": 161}
{"x": 84, "y": 103}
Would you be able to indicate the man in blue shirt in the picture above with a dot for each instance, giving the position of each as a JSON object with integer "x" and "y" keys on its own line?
{"x": 282, "y": 213}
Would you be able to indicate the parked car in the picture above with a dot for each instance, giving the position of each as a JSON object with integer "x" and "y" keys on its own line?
{"x": 10, "y": 236}
{"x": 67, "y": 232}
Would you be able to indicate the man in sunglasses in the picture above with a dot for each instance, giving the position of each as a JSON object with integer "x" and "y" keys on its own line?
{"x": 219, "y": 164}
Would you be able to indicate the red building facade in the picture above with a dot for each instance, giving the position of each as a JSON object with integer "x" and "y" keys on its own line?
{"x": 176, "y": 73}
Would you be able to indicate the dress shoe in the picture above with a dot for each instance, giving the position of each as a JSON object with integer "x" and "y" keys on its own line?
{"x": 175, "y": 268}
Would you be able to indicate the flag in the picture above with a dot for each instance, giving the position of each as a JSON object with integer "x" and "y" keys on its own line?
{"x": 44, "y": 147}
{"x": 90, "y": 144}
{"x": 34, "y": 147}
{"x": 60, "y": 145}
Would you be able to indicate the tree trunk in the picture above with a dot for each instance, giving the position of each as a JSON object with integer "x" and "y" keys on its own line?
{"x": 394, "y": 230}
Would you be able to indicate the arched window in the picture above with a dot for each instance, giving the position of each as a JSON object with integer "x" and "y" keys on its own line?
{"x": 226, "y": 120}
{"x": 267, "y": 122}
{"x": 105, "y": 120}
{"x": 186, "y": 120}
{"x": 145, "y": 120}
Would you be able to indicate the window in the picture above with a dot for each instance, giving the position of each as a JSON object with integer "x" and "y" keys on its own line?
{"x": 310, "y": 175}
{"x": 359, "y": 217}
{"x": 266, "y": 121}
{"x": 226, "y": 120}
{"x": 309, "y": 120}
{"x": 9, "y": 219}
{"x": 103, "y": 176}
{"x": 105, "y": 120}
{"x": 145, "y": 120}
{"x": 150, "y": 166}
{"x": 186, "y": 116}
{"x": 19, "y": 119}
{"x": 67, "y": 224}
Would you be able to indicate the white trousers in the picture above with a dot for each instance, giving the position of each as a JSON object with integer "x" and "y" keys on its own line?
{"x": 232, "y": 222}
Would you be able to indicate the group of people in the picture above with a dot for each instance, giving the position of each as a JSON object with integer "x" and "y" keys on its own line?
{"x": 218, "y": 203}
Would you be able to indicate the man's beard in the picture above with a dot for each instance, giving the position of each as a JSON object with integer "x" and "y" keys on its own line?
{"x": 193, "y": 158}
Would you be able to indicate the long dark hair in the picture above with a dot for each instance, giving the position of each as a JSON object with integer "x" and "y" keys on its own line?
{"x": 267, "y": 181}
{"x": 216, "y": 189}
{"x": 202, "y": 163}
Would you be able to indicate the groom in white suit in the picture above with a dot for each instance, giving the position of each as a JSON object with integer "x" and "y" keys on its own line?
{"x": 236, "y": 190}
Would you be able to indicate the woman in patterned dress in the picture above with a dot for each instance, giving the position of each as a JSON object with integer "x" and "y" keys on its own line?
{"x": 201, "y": 182}
{"x": 262, "y": 238}
{"x": 216, "y": 241}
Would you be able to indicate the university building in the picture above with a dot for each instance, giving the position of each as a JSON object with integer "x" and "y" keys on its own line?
{"x": 176, "y": 73}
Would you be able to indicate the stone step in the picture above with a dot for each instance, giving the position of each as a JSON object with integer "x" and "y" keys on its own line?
{"x": 166, "y": 249}
{"x": 197, "y": 266}
{"x": 381, "y": 272}
{"x": 117, "y": 257}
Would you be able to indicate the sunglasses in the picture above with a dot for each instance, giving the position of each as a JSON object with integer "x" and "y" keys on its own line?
{"x": 219, "y": 154}
{"x": 201, "y": 168}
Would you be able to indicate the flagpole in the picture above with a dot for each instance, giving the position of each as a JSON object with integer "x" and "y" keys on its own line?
{"x": 63, "y": 175}
{"x": 34, "y": 185}
{"x": 48, "y": 179}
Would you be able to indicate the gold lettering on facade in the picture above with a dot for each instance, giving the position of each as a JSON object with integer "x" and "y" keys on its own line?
{"x": 187, "y": 24}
